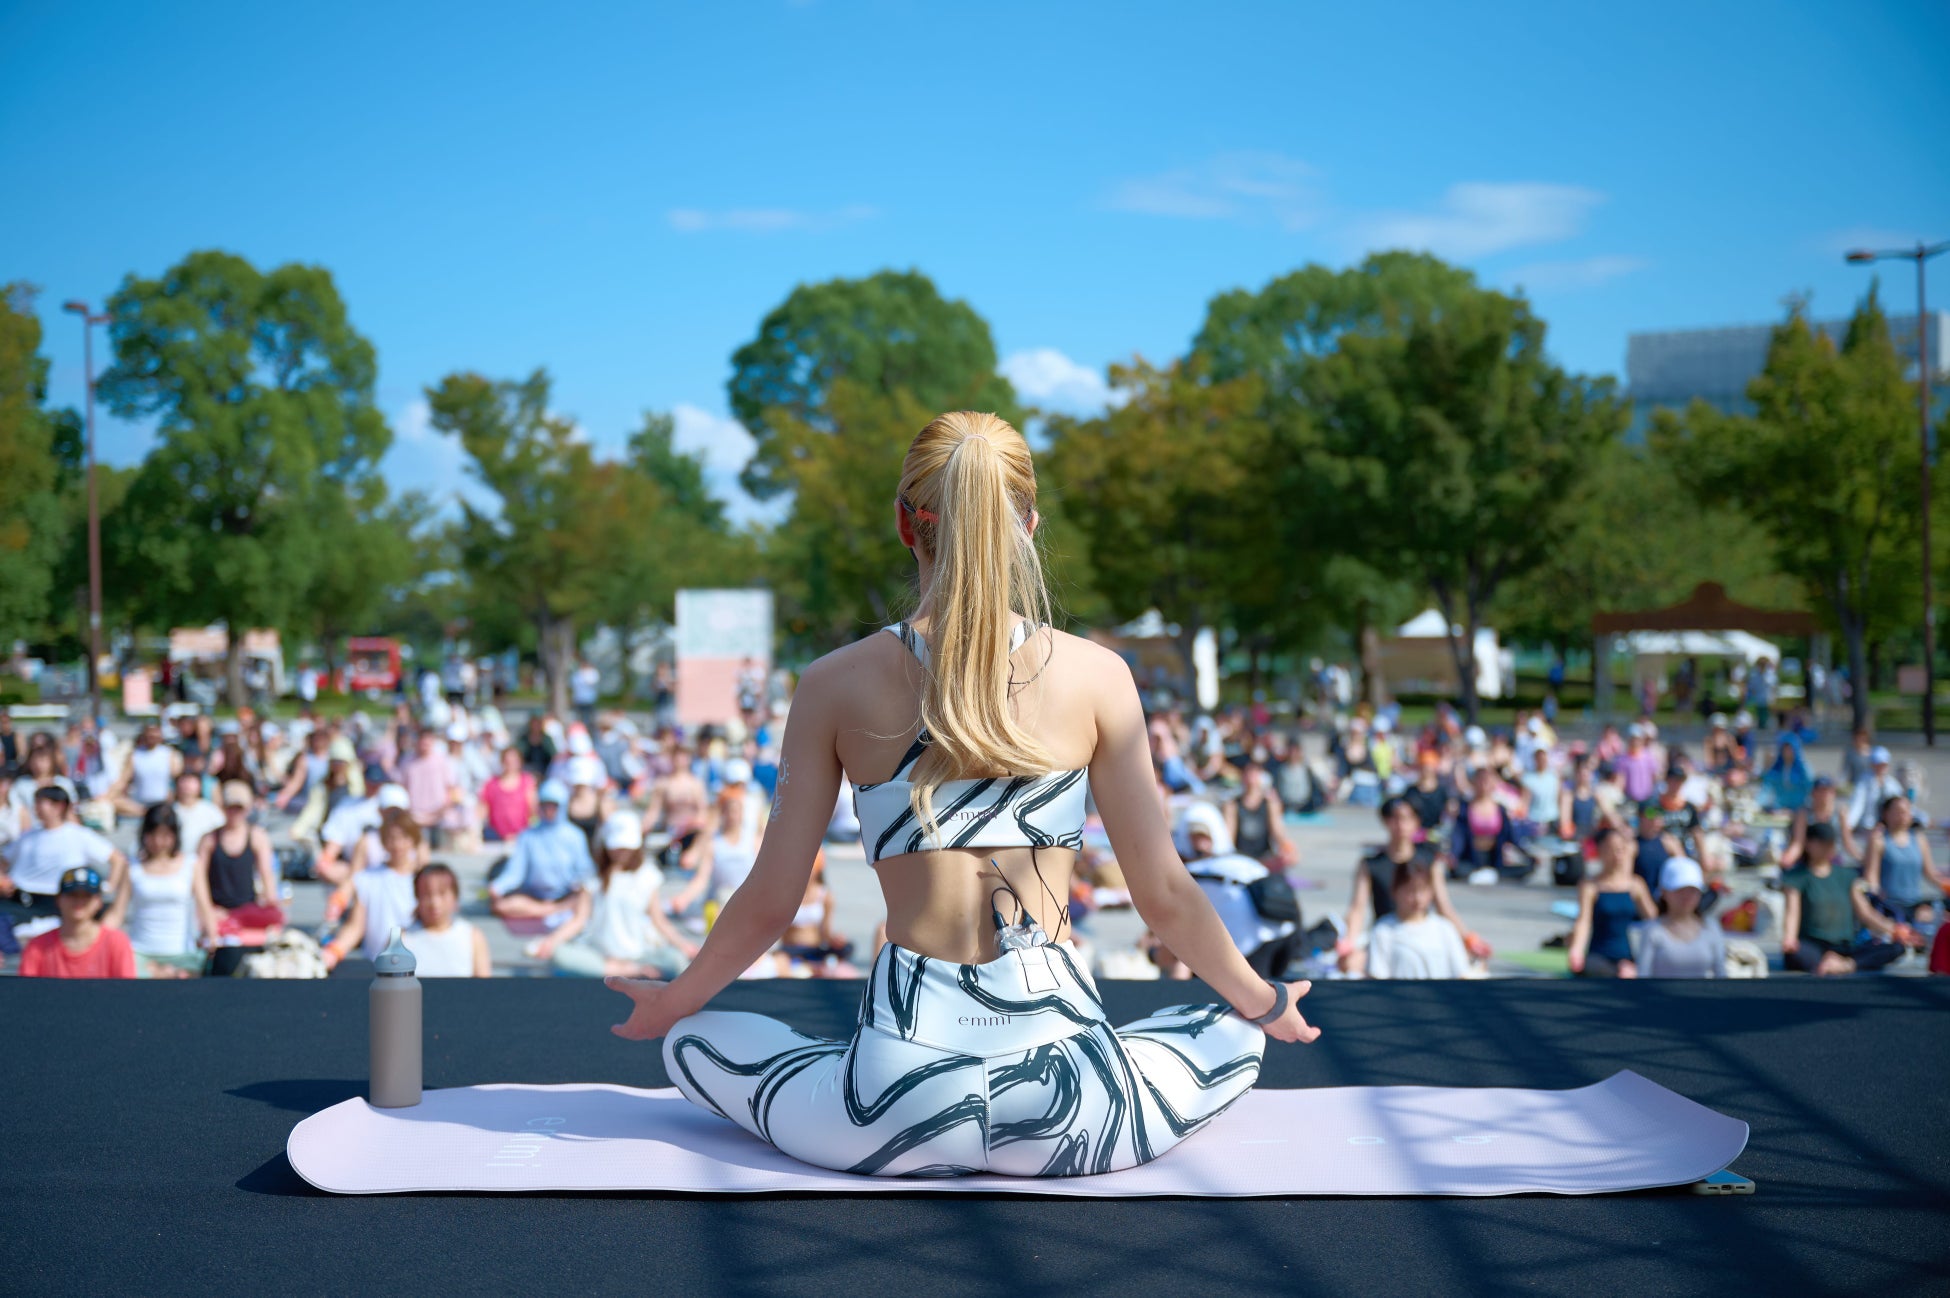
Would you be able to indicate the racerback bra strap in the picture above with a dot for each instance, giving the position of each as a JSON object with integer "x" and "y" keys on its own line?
{"x": 919, "y": 647}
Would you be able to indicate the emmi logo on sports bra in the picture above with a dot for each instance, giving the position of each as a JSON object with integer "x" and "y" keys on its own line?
{"x": 983, "y": 1020}
{"x": 523, "y": 1148}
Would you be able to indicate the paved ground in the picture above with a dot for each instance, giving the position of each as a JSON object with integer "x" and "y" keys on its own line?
{"x": 1515, "y": 919}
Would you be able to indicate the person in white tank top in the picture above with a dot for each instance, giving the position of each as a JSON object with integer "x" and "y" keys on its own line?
{"x": 149, "y": 777}
{"x": 158, "y": 907}
{"x": 737, "y": 826}
{"x": 617, "y": 926}
{"x": 443, "y": 944}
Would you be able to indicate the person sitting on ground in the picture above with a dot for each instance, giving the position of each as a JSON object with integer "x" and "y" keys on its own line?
{"x": 443, "y": 944}
{"x": 1579, "y": 810}
{"x": 1655, "y": 844}
{"x": 1256, "y": 821}
{"x": 508, "y": 800}
{"x": 1484, "y": 834}
{"x": 1823, "y": 808}
{"x": 36, "y": 862}
{"x": 1413, "y": 941}
{"x": 617, "y": 927}
{"x": 236, "y": 879}
{"x": 1432, "y": 796}
{"x": 1868, "y": 795}
{"x": 1680, "y": 944}
{"x": 306, "y": 778}
{"x": 158, "y": 908}
{"x": 1270, "y": 944}
{"x": 1858, "y": 760}
{"x": 432, "y": 784}
{"x": 549, "y": 863}
{"x": 1374, "y": 899}
{"x": 737, "y": 827}
{"x": 810, "y": 942}
{"x": 344, "y": 830}
{"x": 1542, "y": 789}
{"x": 1899, "y": 870}
{"x": 1786, "y": 782}
{"x": 1608, "y": 906}
{"x": 383, "y": 893}
{"x": 83, "y": 947}
{"x": 1827, "y": 903}
{"x": 146, "y": 779}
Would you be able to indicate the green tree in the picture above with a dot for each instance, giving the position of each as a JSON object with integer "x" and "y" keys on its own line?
{"x": 1164, "y": 490}
{"x": 376, "y": 549}
{"x": 1827, "y": 467}
{"x": 31, "y": 517}
{"x": 890, "y": 332}
{"x": 1457, "y": 450}
{"x": 263, "y": 396}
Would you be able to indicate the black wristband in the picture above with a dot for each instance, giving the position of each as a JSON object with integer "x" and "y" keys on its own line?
{"x": 1279, "y": 1005}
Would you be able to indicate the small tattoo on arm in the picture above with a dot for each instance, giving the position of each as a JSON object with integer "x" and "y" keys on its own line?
{"x": 778, "y": 797}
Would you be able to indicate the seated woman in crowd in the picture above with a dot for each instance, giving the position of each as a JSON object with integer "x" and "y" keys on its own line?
{"x": 158, "y": 907}
{"x": 1413, "y": 941}
{"x": 1255, "y": 820}
{"x": 617, "y": 927}
{"x": 443, "y": 944}
{"x": 1822, "y": 808}
{"x": 1542, "y": 793}
{"x": 1608, "y": 906}
{"x": 1374, "y": 897}
{"x": 1432, "y": 796}
{"x": 810, "y": 946}
{"x": 1786, "y": 782}
{"x": 1681, "y": 944}
{"x": 1579, "y": 811}
{"x": 1485, "y": 834}
{"x": 1827, "y": 904}
{"x": 1898, "y": 868}
{"x": 382, "y": 894}
{"x": 1270, "y": 942}
{"x": 236, "y": 879}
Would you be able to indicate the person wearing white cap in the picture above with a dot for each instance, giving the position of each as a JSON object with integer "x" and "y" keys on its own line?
{"x": 1679, "y": 944}
{"x": 1865, "y": 803}
{"x": 617, "y": 927}
{"x": 549, "y": 864}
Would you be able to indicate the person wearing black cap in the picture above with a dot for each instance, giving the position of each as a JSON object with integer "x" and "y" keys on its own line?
{"x": 34, "y": 864}
{"x": 82, "y": 947}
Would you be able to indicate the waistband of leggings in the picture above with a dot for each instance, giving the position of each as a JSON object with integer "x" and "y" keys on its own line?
{"x": 1022, "y": 999}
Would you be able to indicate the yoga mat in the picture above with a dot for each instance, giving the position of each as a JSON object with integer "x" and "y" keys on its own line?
{"x": 1624, "y": 1133}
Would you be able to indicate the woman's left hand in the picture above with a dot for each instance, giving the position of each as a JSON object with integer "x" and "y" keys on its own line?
{"x": 650, "y": 1016}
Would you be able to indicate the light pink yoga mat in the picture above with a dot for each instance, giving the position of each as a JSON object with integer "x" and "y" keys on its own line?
{"x": 1624, "y": 1133}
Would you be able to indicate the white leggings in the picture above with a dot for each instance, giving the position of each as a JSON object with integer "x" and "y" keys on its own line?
{"x": 1007, "y": 1067}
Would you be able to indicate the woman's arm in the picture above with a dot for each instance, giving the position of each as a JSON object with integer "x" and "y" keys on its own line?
{"x": 483, "y": 962}
{"x": 206, "y": 909}
{"x": 1868, "y": 916}
{"x": 1648, "y": 908}
{"x": 1790, "y": 920}
{"x": 291, "y": 786}
{"x": 267, "y": 869}
{"x": 1283, "y": 845}
{"x": 757, "y": 913}
{"x": 1566, "y": 827}
{"x": 1162, "y": 890}
{"x": 578, "y": 920}
{"x": 1581, "y": 930}
{"x": 1445, "y": 905}
{"x": 1872, "y": 859}
{"x": 1361, "y": 903}
{"x": 669, "y": 931}
{"x": 351, "y": 933}
{"x": 1797, "y": 840}
{"x": 1929, "y": 861}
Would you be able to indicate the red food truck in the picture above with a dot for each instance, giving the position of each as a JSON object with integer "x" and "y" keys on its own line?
{"x": 371, "y": 663}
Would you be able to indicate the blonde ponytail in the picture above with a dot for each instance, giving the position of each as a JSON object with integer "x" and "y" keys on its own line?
{"x": 970, "y": 489}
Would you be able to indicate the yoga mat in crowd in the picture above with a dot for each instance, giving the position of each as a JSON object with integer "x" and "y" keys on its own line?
{"x": 1624, "y": 1133}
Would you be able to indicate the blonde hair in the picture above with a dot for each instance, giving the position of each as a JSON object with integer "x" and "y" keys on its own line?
{"x": 970, "y": 490}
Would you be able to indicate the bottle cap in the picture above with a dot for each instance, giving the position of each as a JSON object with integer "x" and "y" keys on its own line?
{"x": 395, "y": 959}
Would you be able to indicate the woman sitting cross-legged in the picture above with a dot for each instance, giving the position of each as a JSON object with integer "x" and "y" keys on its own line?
{"x": 618, "y": 927}
{"x": 968, "y": 733}
{"x": 1412, "y": 941}
{"x": 1608, "y": 906}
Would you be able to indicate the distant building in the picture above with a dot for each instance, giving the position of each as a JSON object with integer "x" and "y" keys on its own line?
{"x": 1674, "y": 366}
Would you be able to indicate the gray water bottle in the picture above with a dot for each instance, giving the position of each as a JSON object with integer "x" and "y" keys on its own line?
{"x": 395, "y": 1011}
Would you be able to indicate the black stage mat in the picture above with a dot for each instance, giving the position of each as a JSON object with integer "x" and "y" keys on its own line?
{"x": 145, "y": 1154}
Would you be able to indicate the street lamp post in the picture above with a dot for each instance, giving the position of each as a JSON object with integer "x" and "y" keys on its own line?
{"x": 88, "y": 322}
{"x": 1920, "y": 254}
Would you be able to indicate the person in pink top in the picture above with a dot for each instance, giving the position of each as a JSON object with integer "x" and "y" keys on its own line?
{"x": 431, "y": 783}
{"x": 508, "y": 800}
{"x": 1639, "y": 764}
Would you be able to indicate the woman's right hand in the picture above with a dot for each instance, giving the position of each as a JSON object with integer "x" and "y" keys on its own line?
{"x": 1290, "y": 1026}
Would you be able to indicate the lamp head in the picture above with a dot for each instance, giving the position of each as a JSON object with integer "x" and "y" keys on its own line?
{"x": 1861, "y": 255}
{"x": 79, "y": 308}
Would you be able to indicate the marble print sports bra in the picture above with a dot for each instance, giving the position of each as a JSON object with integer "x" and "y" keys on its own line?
{"x": 999, "y": 811}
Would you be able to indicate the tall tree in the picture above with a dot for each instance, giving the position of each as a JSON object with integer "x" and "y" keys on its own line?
{"x": 890, "y": 332}
{"x": 1166, "y": 494}
{"x": 1459, "y": 449}
{"x": 31, "y": 523}
{"x": 377, "y": 548}
{"x": 263, "y": 396}
{"x": 1827, "y": 466}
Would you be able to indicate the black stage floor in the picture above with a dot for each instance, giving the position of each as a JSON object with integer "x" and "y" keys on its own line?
{"x": 146, "y": 1154}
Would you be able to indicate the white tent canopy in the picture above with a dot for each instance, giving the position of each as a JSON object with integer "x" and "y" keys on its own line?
{"x": 1700, "y": 644}
{"x": 1416, "y": 658}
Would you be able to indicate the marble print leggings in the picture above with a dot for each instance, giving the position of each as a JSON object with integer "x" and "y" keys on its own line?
{"x": 1007, "y": 1067}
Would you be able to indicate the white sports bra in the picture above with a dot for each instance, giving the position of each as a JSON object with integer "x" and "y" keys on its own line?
{"x": 999, "y": 811}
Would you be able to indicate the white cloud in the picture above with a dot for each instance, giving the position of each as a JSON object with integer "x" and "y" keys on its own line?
{"x": 424, "y": 459}
{"x": 766, "y": 220}
{"x": 1564, "y": 276}
{"x": 1243, "y": 186}
{"x": 721, "y": 440}
{"x": 1477, "y": 218}
{"x": 1046, "y": 377}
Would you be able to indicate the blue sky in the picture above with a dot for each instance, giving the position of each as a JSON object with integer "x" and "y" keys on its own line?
{"x": 620, "y": 192}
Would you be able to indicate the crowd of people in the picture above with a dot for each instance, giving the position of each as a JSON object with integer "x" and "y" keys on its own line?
{"x": 614, "y": 844}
